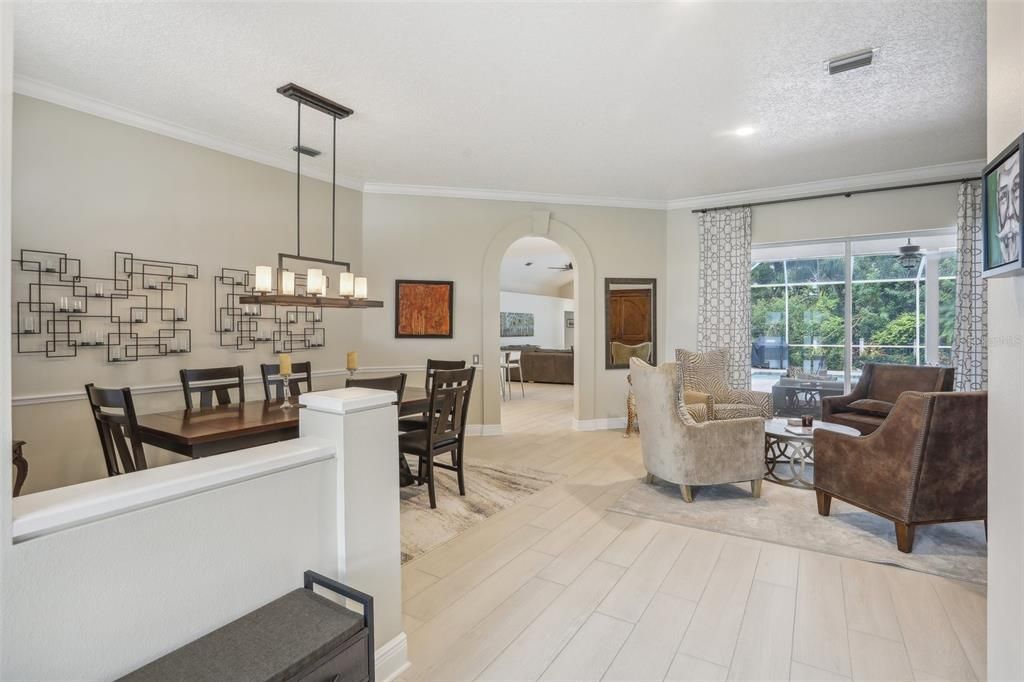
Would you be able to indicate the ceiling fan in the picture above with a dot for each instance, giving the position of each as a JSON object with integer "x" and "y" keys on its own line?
{"x": 564, "y": 268}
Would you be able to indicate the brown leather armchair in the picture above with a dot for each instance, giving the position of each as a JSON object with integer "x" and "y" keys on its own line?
{"x": 926, "y": 463}
{"x": 877, "y": 390}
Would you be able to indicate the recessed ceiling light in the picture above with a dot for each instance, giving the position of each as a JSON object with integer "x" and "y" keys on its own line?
{"x": 744, "y": 131}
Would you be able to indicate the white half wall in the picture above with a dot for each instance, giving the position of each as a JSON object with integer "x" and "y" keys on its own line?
{"x": 548, "y": 318}
{"x": 1006, "y": 378}
{"x": 97, "y": 600}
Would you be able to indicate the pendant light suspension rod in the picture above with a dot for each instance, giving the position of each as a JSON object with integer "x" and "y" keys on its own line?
{"x": 334, "y": 179}
{"x": 298, "y": 178}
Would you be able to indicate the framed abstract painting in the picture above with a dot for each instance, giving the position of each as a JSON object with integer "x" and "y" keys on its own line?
{"x": 424, "y": 309}
{"x": 1002, "y": 213}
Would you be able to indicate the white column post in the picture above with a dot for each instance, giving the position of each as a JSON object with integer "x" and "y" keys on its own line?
{"x": 362, "y": 423}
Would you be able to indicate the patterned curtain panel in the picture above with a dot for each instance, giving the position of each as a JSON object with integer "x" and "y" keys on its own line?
{"x": 723, "y": 317}
{"x": 970, "y": 331}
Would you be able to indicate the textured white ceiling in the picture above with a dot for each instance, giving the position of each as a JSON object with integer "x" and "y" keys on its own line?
{"x": 613, "y": 100}
{"x": 538, "y": 278}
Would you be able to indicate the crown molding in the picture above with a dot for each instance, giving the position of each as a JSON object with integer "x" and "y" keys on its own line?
{"x": 63, "y": 97}
{"x": 944, "y": 171}
{"x": 37, "y": 89}
{"x": 511, "y": 195}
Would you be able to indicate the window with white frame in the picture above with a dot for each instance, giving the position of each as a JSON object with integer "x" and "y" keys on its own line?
{"x": 826, "y": 308}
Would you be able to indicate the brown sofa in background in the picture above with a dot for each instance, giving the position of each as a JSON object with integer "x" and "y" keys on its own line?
{"x": 879, "y": 387}
{"x": 545, "y": 365}
{"x": 926, "y": 463}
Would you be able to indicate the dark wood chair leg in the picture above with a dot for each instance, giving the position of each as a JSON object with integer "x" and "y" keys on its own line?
{"x": 824, "y": 502}
{"x": 904, "y": 537}
{"x": 430, "y": 482}
{"x": 986, "y": 529}
{"x": 462, "y": 478}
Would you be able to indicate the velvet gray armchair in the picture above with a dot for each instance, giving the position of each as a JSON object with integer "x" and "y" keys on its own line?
{"x": 678, "y": 449}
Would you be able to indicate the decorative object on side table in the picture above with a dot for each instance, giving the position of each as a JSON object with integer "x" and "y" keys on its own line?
{"x": 424, "y": 309}
{"x": 352, "y": 362}
{"x": 1003, "y": 211}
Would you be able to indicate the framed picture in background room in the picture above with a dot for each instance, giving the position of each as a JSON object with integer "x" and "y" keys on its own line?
{"x": 1002, "y": 211}
{"x": 423, "y": 309}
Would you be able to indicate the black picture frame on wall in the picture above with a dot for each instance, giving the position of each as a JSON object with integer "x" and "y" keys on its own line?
{"x": 1003, "y": 213}
{"x": 424, "y": 309}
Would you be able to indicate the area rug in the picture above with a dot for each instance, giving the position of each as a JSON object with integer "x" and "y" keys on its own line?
{"x": 489, "y": 489}
{"x": 789, "y": 516}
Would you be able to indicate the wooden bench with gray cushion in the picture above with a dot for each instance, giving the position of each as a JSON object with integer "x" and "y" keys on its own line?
{"x": 300, "y": 636}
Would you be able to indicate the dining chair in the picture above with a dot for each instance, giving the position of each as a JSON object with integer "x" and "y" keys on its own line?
{"x": 419, "y": 421}
{"x": 302, "y": 373}
{"x": 229, "y": 377}
{"x": 392, "y": 383}
{"x": 20, "y": 465}
{"x": 446, "y": 429}
{"x": 114, "y": 414}
{"x": 511, "y": 360}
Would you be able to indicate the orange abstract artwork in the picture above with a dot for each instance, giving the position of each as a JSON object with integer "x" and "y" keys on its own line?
{"x": 423, "y": 309}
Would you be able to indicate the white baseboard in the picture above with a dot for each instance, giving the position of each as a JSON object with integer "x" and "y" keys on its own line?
{"x": 606, "y": 424}
{"x": 483, "y": 429}
{"x": 392, "y": 659}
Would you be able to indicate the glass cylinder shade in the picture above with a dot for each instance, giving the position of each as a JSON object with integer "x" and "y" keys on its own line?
{"x": 315, "y": 281}
{"x": 346, "y": 284}
{"x": 360, "y": 287}
{"x": 287, "y": 282}
{"x": 264, "y": 279}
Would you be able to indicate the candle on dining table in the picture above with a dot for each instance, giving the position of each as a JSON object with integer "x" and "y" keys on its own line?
{"x": 285, "y": 361}
{"x": 352, "y": 360}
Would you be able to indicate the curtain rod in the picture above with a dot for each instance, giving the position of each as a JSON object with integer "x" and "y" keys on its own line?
{"x": 835, "y": 194}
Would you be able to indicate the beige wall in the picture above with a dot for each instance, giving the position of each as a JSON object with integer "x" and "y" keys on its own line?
{"x": 1006, "y": 383}
{"x": 922, "y": 208}
{"x": 87, "y": 186}
{"x": 408, "y": 237}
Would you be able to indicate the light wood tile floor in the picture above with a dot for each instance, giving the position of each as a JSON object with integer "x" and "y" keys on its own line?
{"x": 558, "y": 588}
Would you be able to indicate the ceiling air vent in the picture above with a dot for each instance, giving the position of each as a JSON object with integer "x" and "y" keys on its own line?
{"x": 849, "y": 62}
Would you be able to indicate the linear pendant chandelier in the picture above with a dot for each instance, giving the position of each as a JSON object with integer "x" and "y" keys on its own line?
{"x": 351, "y": 290}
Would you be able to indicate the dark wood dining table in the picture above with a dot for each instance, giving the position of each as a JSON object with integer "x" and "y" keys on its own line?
{"x": 201, "y": 432}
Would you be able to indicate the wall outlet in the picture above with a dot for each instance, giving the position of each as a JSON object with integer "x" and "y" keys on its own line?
{"x": 476, "y": 359}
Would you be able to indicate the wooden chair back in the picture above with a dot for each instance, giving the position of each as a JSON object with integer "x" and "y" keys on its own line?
{"x": 226, "y": 378}
{"x": 449, "y": 404}
{"x": 394, "y": 383}
{"x": 118, "y": 428}
{"x": 302, "y": 373}
{"x": 434, "y": 365}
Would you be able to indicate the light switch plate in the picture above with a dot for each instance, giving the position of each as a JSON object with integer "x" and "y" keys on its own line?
{"x": 476, "y": 359}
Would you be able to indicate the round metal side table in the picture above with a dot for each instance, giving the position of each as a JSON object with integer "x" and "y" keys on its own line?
{"x": 791, "y": 453}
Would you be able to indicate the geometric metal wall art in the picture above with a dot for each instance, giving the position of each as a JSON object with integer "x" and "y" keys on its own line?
{"x": 287, "y": 328}
{"x": 137, "y": 313}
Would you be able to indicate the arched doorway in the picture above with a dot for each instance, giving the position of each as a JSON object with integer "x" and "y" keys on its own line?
{"x": 539, "y": 223}
{"x": 538, "y": 305}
